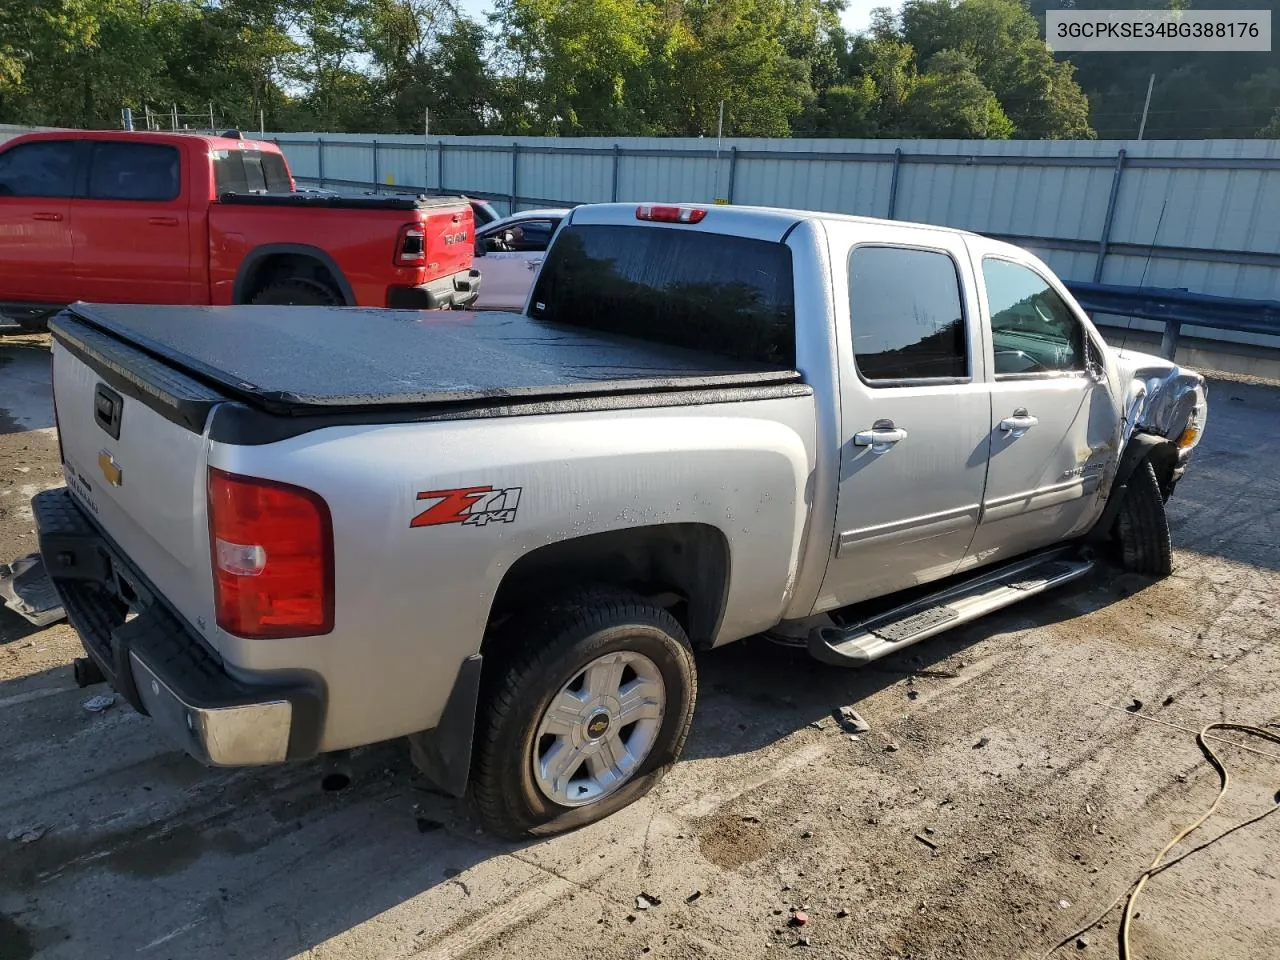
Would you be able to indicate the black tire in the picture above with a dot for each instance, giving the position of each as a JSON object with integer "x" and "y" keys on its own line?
{"x": 555, "y": 645}
{"x": 1142, "y": 528}
{"x": 297, "y": 291}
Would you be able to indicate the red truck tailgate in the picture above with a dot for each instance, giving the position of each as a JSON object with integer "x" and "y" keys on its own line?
{"x": 450, "y": 236}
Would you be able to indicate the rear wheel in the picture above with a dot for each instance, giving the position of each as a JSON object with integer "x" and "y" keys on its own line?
{"x": 297, "y": 291}
{"x": 1142, "y": 528}
{"x": 584, "y": 716}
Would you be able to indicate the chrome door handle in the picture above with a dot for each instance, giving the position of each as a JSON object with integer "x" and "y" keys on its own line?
{"x": 1019, "y": 423}
{"x": 49, "y": 217}
{"x": 533, "y": 264}
{"x": 880, "y": 437}
{"x": 163, "y": 221}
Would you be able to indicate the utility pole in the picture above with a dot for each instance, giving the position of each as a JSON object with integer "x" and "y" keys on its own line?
{"x": 1142, "y": 127}
{"x": 719, "y": 138}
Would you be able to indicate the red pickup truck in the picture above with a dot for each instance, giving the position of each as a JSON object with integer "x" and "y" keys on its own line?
{"x": 172, "y": 218}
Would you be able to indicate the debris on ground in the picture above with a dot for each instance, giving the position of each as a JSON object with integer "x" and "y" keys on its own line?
{"x": 803, "y": 942}
{"x": 926, "y": 841}
{"x": 1135, "y": 706}
{"x": 850, "y": 720}
{"x": 890, "y": 747}
{"x": 99, "y": 703}
{"x": 1167, "y": 700}
{"x": 841, "y": 913}
{"x": 693, "y": 896}
{"x": 28, "y": 834}
{"x": 798, "y": 919}
{"x": 1081, "y": 943}
{"x": 646, "y": 900}
{"x": 982, "y": 742}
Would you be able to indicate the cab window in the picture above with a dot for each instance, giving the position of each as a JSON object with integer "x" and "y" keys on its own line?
{"x": 1033, "y": 331}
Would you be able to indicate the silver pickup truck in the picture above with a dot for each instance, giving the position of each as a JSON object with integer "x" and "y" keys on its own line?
{"x": 289, "y": 531}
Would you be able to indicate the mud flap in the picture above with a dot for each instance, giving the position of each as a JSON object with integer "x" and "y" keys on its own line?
{"x": 443, "y": 753}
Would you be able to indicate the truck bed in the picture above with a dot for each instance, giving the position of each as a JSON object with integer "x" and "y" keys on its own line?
{"x": 296, "y": 361}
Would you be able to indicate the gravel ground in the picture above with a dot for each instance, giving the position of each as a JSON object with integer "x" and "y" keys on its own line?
{"x": 1017, "y": 800}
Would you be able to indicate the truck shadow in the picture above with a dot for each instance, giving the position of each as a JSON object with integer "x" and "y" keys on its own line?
{"x": 27, "y": 400}
{"x": 264, "y": 864}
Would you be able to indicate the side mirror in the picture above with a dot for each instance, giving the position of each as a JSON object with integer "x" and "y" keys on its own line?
{"x": 1093, "y": 370}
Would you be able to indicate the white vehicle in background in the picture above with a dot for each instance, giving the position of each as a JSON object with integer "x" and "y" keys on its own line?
{"x": 509, "y": 253}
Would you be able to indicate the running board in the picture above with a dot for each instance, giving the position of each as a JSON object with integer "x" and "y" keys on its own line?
{"x": 990, "y": 590}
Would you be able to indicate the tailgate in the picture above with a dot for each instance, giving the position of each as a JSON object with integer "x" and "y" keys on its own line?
{"x": 450, "y": 237}
{"x": 137, "y": 468}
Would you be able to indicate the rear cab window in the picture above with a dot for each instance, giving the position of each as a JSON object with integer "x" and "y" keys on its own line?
{"x": 907, "y": 315}
{"x": 250, "y": 171}
{"x": 716, "y": 293}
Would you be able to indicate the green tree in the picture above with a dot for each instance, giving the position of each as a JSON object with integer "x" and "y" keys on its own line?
{"x": 1003, "y": 42}
{"x": 950, "y": 100}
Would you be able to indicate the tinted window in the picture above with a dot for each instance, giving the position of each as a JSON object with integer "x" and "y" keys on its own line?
{"x": 133, "y": 171}
{"x": 42, "y": 169}
{"x": 908, "y": 323}
{"x": 250, "y": 171}
{"x": 727, "y": 295}
{"x": 1032, "y": 329}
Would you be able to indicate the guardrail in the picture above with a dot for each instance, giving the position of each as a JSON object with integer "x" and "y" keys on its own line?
{"x": 1173, "y": 308}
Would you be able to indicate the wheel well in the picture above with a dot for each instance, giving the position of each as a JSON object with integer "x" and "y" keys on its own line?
{"x": 280, "y": 266}
{"x": 1163, "y": 455}
{"x": 682, "y": 566}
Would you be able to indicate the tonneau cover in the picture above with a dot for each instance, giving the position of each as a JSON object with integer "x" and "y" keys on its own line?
{"x": 300, "y": 360}
{"x": 352, "y": 201}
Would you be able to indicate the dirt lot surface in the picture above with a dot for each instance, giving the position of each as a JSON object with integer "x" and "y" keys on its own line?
{"x": 1002, "y": 797}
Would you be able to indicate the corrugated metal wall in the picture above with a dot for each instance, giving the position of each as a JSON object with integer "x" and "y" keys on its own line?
{"x": 1203, "y": 214}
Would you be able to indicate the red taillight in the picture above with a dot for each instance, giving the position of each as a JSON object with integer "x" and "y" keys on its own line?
{"x": 411, "y": 246}
{"x": 670, "y": 214}
{"x": 272, "y": 553}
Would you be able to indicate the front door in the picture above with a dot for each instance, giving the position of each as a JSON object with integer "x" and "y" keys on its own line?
{"x": 512, "y": 255}
{"x": 1054, "y": 425}
{"x": 914, "y": 412}
{"x": 132, "y": 227}
{"x": 36, "y": 181}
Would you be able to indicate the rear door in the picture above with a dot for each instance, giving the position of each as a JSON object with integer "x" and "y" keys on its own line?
{"x": 914, "y": 410}
{"x": 37, "y": 180}
{"x": 513, "y": 252}
{"x": 132, "y": 243}
{"x": 1054, "y": 425}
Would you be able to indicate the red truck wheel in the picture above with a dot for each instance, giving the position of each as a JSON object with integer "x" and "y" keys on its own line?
{"x": 297, "y": 291}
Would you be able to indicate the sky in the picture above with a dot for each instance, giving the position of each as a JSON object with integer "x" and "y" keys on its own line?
{"x": 857, "y": 15}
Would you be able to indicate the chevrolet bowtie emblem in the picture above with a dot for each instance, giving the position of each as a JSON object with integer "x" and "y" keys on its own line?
{"x": 110, "y": 469}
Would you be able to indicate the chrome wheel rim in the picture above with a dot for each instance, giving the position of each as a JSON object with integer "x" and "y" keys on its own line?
{"x": 598, "y": 728}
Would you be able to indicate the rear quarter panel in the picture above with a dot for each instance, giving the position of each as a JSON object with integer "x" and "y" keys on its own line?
{"x": 361, "y": 242}
{"x": 412, "y": 602}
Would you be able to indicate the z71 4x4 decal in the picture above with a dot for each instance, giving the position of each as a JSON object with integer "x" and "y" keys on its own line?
{"x": 473, "y": 506}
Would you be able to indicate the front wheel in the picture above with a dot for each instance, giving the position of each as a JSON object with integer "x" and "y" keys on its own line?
{"x": 1142, "y": 528}
{"x": 584, "y": 716}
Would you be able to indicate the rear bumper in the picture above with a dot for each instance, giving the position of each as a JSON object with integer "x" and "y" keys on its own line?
{"x": 158, "y": 663}
{"x": 457, "y": 291}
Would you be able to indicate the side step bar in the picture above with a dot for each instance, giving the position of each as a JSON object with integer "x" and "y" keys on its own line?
{"x": 991, "y": 590}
